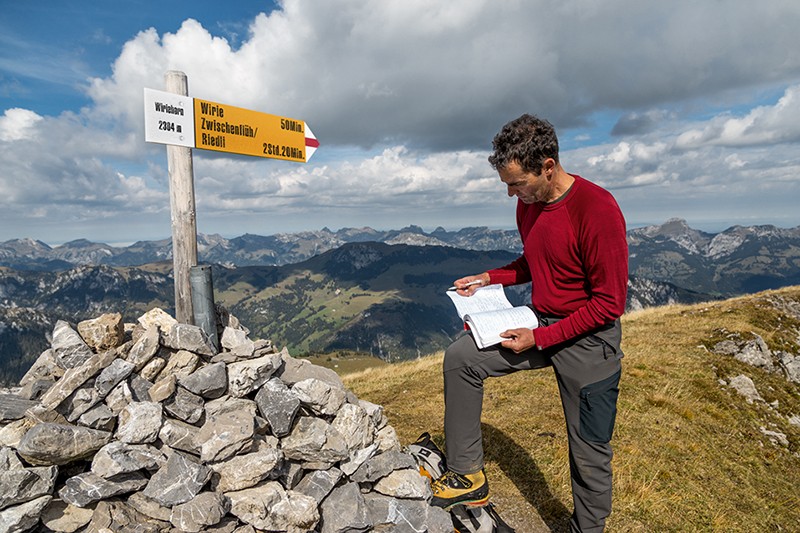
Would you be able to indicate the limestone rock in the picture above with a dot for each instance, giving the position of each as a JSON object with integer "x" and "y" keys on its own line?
{"x": 205, "y": 509}
{"x": 320, "y": 396}
{"x": 190, "y": 338}
{"x": 119, "y": 458}
{"x": 246, "y": 376}
{"x": 178, "y": 481}
{"x": 246, "y": 470}
{"x": 345, "y": 510}
{"x": 209, "y": 381}
{"x": 88, "y": 487}
{"x": 278, "y": 405}
{"x": 314, "y": 440}
{"x": 745, "y": 387}
{"x": 185, "y": 405}
{"x": 145, "y": 348}
{"x": 45, "y": 367}
{"x": 104, "y": 332}
{"x": 75, "y": 377}
{"x": 180, "y": 364}
{"x": 12, "y": 407}
{"x": 180, "y": 436}
{"x": 24, "y": 516}
{"x": 158, "y": 318}
{"x": 98, "y": 417}
{"x": 69, "y": 349}
{"x": 319, "y": 483}
{"x": 111, "y": 375}
{"x": 224, "y": 435}
{"x": 20, "y": 485}
{"x": 354, "y": 423}
{"x": 382, "y": 465}
{"x": 59, "y": 444}
{"x": 139, "y": 422}
{"x": 295, "y": 370}
{"x": 64, "y": 517}
{"x": 268, "y": 506}
{"x": 407, "y": 483}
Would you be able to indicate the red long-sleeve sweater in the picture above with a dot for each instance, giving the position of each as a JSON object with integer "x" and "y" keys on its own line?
{"x": 576, "y": 255}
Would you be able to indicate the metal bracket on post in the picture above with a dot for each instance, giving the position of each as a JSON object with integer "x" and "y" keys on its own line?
{"x": 205, "y": 314}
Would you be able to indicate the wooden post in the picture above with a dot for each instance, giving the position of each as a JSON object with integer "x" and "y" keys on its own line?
{"x": 184, "y": 225}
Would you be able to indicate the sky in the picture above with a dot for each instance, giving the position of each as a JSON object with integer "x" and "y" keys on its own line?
{"x": 681, "y": 109}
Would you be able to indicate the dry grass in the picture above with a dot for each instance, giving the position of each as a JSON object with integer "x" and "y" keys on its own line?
{"x": 689, "y": 452}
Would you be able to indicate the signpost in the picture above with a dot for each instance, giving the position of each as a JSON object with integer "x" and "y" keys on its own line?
{"x": 194, "y": 123}
{"x": 182, "y": 123}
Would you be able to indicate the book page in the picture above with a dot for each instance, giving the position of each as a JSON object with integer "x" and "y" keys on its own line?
{"x": 486, "y": 298}
{"x": 488, "y": 325}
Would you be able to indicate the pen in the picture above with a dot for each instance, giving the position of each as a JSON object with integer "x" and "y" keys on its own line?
{"x": 476, "y": 282}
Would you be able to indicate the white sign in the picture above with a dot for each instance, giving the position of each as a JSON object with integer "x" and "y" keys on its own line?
{"x": 168, "y": 118}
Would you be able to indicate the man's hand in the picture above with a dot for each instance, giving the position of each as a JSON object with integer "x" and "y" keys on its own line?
{"x": 464, "y": 288}
{"x": 519, "y": 339}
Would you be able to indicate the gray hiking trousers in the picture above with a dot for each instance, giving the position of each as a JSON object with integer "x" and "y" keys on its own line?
{"x": 587, "y": 370}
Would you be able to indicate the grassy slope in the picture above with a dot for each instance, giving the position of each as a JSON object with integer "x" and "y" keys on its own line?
{"x": 690, "y": 455}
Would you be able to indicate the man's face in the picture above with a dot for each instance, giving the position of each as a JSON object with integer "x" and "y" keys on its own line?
{"x": 527, "y": 186}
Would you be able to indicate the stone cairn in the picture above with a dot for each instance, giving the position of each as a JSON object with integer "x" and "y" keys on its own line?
{"x": 149, "y": 428}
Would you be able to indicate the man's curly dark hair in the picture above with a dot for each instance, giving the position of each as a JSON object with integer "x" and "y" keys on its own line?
{"x": 528, "y": 140}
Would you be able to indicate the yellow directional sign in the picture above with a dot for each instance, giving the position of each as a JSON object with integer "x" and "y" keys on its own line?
{"x": 227, "y": 128}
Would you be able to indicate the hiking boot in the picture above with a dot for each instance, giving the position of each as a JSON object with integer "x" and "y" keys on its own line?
{"x": 453, "y": 489}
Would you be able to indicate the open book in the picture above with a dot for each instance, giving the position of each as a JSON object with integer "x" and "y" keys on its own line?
{"x": 488, "y": 313}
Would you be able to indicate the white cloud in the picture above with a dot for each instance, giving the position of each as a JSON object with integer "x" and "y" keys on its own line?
{"x": 17, "y": 124}
{"x": 406, "y": 96}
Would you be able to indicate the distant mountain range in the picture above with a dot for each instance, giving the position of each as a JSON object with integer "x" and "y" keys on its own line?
{"x": 384, "y": 298}
{"x": 246, "y": 250}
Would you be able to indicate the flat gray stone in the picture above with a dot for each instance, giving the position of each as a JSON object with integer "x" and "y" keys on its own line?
{"x": 295, "y": 370}
{"x": 204, "y": 510}
{"x": 12, "y": 407}
{"x": 59, "y": 444}
{"x": 180, "y": 436}
{"x": 190, "y": 338}
{"x": 76, "y": 376}
{"x": 320, "y": 396}
{"x": 111, "y": 375}
{"x": 24, "y": 516}
{"x": 119, "y": 458}
{"x": 382, "y": 465}
{"x": 45, "y": 367}
{"x": 224, "y": 435}
{"x": 210, "y": 381}
{"x": 319, "y": 483}
{"x": 345, "y": 510}
{"x": 69, "y": 349}
{"x": 139, "y": 422}
{"x": 63, "y": 517}
{"x": 86, "y": 488}
{"x": 98, "y": 417}
{"x": 20, "y": 485}
{"x": 246, "y": 470}
{"x": 407, "y": 483}
{"x": 180, "y": 480}
{"x": 185, "y": 405}
{"x": 314, "y": 440}
{"x": 144, "y": 349}
{"x": 278, "y": 405}
{"x": 246, "y": 376}
{"x": 269, "y": 507}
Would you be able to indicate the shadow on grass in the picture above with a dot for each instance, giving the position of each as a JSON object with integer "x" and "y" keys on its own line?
{"x": 521, "y": 469}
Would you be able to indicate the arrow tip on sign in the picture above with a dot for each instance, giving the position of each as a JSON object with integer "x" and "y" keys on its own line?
{"x": 311, "y": 143}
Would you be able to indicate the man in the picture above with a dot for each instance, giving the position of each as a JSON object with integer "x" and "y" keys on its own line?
{"x": 575, "y": 255}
